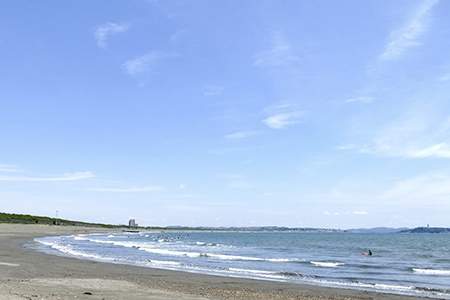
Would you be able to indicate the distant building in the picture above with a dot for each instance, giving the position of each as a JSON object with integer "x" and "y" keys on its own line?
{"x": 132, "y": 223}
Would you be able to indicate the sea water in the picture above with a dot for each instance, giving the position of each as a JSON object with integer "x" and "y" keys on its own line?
{"x": 409, "y": 264}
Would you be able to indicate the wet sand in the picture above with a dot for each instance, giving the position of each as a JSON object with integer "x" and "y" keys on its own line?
{"x": 28, "y": 274}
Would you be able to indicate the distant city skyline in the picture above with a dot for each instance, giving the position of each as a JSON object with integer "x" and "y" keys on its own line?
{"x": 328, "y": 114}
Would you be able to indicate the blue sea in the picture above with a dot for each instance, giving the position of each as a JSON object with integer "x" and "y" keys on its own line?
{"x": 409, "y": 264}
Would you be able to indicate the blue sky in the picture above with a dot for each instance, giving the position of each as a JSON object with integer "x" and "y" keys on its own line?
{"x": 296, "y": 113}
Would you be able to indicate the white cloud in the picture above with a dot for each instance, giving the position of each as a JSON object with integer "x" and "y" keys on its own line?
{"x": 327, "y": 213}
{"x": 238, "y": 135}
{"x": 422, "y": 189}
{"x": 360, "y": 99}
{"x": 213, "y": 90}
{"x": 279, "y": 54}
{"x": 236, "y": 181}
{"x": 240, "y": 185}
{"x": 65, "y": 177}
{"x": 408, "y": 35}
{"x": 9, "y": 168}
{"x": 445, "y": 77}
{"x": 283, "y": 116}
{"x": 360, "y": 212}
{"x": 142, "y": 189}
{"x": 145, "y": 62}
{"x": 355, "y": 212}
{"x": 105, "y": 31}
{"x": 441, "y": 150}
{"x": 416, "y": 135}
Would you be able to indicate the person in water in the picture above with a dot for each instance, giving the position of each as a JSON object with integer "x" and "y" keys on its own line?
{"x": 368, "y": 253}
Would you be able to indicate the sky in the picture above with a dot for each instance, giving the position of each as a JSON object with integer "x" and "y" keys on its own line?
{"x": 227, "y": 113}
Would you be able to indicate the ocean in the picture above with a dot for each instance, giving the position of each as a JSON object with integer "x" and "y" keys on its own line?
{"x": 408, "y": 264}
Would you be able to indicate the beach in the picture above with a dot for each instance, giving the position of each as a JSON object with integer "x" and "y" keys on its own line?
{"x": 28, "y": 274}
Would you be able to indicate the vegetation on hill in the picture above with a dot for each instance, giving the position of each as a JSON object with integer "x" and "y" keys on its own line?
{"x": 29, "y": 219}
{"x": 428, "y": 230}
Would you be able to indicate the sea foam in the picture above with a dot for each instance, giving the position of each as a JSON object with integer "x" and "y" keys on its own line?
{"x": 432, "y": 272}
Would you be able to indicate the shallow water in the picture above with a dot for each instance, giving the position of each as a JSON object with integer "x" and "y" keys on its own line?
{"x": 411, "y": 264}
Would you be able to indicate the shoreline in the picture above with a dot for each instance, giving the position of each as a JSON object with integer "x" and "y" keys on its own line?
{"x": 27, "y": 273}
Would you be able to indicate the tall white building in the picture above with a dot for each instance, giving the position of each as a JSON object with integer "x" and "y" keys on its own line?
{"x": 132, "y": 223}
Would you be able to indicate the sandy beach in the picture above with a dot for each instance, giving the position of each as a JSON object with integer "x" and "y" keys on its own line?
{"x": 29, "y": 274}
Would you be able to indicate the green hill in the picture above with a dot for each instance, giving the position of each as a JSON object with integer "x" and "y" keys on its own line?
{"x": 29, "y": 219}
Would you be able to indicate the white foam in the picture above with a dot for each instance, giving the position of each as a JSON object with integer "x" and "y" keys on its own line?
{"x": 154, "y": 249}
{"x": 325, "y": 264}
{"x": 8, "y": 264}
{"x": 67, "y": 249}
{"x": 257, "y": 273}
{"x": 432, "y": 272}
{"x": 163, "y": 262}
{"x": 251, "y": 271}
{"x": 284, "y": 260}
{"x": 233, "y": 257}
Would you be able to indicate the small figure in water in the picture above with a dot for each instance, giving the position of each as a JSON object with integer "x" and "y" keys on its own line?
{"x": 368, "y": 253}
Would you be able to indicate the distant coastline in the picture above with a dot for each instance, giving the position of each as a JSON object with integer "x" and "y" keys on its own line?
{"x": 12, "y": 218}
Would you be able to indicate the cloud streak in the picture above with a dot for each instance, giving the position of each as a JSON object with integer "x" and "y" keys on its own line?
{"x": 283, "y": 116}
{"x": 408, "y": 35}
{"x": 239, "y": 135}
{"x": 146, "y": 62}
{"x": 213, "y": 90}
{"x": 360, "y": 99}
{"x": 65, "y": 177}
{"x": 142, "y": 189}
{"x": 280, "y": 53}
{"x": 416, "y": 135}
{"x": 105, "y": 31}
{"x": 9, "y": 168}
{"x": 425, "y": 188}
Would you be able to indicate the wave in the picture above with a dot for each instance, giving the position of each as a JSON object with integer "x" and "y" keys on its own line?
{"x": 208, "y": 244}
{"x": 67, "y": 249}
{"x": 326, "y": 264}
{"x": 258, "y": 273}
{"x": 251, "y": 271}
{"x": 163, "y": 262}
{"x": 278, "y": 275}
{"x": 167, "y": 252}
{"x": 432, "y": 272}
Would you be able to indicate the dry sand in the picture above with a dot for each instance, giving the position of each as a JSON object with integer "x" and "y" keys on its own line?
{"x": 28, "y": 274}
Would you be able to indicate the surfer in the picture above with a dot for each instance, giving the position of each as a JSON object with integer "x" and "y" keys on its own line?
{"x": 368, "y": 253}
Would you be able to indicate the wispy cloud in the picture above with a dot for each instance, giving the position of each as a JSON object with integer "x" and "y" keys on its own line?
{"x": 236, "y": 181}
{"x": 408, "y": 35}
{"x": 105, "y": 31}
{"x": 279, "y": 54}
{"x": 65, "y": 177}
{"x": 145, "y": 62}
{"x": 346, "y": 213}
{"x": 360, "y": 212}
{"x": 239, "y": 135}
{"x": 9, "y": 168}
{"x": 426, "y": 188}
{"x": 416, "y": 135}
{"x": 360, "y": 99}
{"x": 445, "y": 77}
{"x": 142, "y": 189}
{"x": 283, "y": 116}
{"x": 213, "y": 90}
